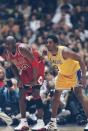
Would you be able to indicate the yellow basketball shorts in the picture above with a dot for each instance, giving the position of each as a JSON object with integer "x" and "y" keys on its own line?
{"x": 65, "y": 82}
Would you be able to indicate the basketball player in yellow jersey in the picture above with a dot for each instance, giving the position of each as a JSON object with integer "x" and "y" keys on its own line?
{"x": 68, "y": 64}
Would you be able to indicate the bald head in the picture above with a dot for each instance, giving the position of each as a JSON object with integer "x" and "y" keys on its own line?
{"x": 10, "y": 39}
{"x": 10, "y": 43}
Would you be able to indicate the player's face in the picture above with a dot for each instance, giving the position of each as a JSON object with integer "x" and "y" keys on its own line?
{"x": 9, "y": 46}
{"x": 50, "y": 44}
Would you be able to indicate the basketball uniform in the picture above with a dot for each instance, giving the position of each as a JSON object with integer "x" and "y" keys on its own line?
{"x": 67, "y": 75}
{"x": 24, "y": 65}
{"x": 41, "y": 66}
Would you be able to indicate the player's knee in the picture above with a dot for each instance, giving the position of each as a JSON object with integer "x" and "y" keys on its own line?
{"x": 36, "y": 91}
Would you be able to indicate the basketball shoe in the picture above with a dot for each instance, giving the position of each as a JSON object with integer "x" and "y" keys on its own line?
{"x": 51, "y": 126}
{"x": 39, "y": 126}
{"x": 23, "y": 125}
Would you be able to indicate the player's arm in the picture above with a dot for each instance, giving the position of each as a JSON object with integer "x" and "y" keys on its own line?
{"x": 16, "y": 73}
{"x": 27, "y": 52}
{"x": 67, "y": 53}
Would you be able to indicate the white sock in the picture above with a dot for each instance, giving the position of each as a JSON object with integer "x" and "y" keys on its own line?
{"x": 23, "y": 120}
{"x": 33, "y": 116}
{"x": 53, "y": 119}
{"x": 40, "y": 120}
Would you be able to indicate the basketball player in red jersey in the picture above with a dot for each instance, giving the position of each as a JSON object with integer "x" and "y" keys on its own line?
{"x": 25, "y": 63}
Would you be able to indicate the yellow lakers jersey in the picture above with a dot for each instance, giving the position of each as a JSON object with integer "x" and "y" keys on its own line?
{"x": 66, "y": 67}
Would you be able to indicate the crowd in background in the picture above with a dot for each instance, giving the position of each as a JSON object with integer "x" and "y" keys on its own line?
{"x": 31, "y": 21}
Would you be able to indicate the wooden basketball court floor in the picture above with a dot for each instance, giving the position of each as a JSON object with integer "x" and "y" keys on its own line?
{"x": 61, "y": 128}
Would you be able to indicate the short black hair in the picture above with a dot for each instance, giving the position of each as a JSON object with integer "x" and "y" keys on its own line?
{"x": 53, "y": 37}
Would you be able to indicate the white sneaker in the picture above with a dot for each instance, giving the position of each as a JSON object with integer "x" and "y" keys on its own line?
{"x": 86, "y": 128}
{"x": 33, "y": 117}
{"x": 51, "y": 126}
{"x": 39, "y": 126}
{"x": 23, "y": 126}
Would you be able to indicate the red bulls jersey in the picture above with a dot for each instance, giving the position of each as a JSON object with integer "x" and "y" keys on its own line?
{"x": 41, "y": 67}
{"x": 24, "y": 65}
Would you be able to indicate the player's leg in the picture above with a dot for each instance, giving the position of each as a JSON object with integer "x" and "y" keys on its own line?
{"x": 52, "y": 125}
{"x": 31, "y": 108}
{"x": 23, "y": 125}
{"x": 39, "y": 105}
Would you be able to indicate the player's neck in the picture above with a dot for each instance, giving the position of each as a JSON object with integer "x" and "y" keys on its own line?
{"x": 54, "y": 51}
{"x": 13, "y": 51}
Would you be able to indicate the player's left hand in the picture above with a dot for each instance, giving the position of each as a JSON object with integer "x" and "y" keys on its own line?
{"x": 33, "y": 83}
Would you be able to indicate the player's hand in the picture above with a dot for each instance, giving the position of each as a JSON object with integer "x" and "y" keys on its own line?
{"x": 33, "y": 83}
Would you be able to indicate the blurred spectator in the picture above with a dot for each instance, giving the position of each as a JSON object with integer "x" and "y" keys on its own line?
{"x": 11, "y": 96}
{"x": 31, "y": 36}
{"x": 9, "y": 73}
{"x": 62, "y": 38}
{"x": 34, "y": 23}
{"x": 81, "y": 33}
{"x": 10, "y": 28}
{"x": 2, "y": 77}
{"x": 63, "y": 13}
{"x": 39, "y": 41}
{"x": 2, "y": 85}
{"x": 76, "y": 16}
{"x": 25, "y": 9}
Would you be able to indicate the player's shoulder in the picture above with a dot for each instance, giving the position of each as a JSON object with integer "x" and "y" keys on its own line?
{"x": 63, "y": 48}
{"x": 23, "y": 46}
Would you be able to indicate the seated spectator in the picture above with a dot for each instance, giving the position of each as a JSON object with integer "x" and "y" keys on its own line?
{"x": 9, "y": 93}
{"x": 25, "y": 9}
{"x": 2, "y": 84}
{"x": 11, "y": 28}
{"x": 2, "y": 77}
